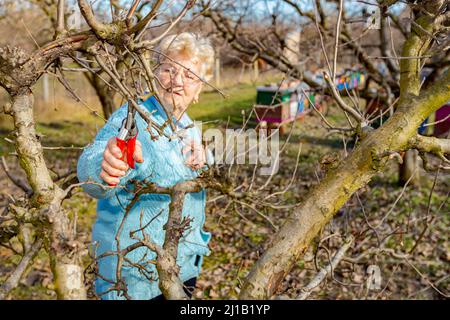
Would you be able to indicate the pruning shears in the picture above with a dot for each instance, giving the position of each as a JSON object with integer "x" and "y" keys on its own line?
{"x": 126, "y": 139}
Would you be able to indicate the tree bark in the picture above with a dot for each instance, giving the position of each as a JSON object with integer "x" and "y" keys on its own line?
{"x": 104, "y": 92}
{"x": 106, "y": 96}
{"x": 47, "y": 199}
{"x": 168, "y": 270}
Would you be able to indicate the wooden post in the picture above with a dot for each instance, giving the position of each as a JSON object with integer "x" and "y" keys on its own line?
{"x": 217, "y": 72}
{"x": 255, "y": 70}
{"x": 241, "y": 74}
{"x": 45, "y": 88}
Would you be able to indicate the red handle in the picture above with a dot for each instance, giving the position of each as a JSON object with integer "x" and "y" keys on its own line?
{"x": 127, "y": 147}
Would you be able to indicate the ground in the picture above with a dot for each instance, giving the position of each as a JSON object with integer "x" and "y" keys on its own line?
{"x": 240, "y": 234}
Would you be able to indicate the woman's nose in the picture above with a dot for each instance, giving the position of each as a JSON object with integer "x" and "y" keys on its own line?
{"x": 177, "y": 79}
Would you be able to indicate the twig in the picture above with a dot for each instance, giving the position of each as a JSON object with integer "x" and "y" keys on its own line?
{"x": 13, "y": 279}
{"x": 18, "y": 182}
{"x": 317, "y": 280}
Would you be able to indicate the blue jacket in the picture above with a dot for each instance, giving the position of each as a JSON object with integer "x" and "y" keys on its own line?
{"x": 164, "y": 165}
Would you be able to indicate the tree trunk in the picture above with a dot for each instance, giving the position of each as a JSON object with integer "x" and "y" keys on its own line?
{"x": 168, "y": 270}
{"x": 106, "y": 96}
{"x": 47, "y": 198}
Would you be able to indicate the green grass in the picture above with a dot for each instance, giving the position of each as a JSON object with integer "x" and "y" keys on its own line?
{"x": 213, "y": 107}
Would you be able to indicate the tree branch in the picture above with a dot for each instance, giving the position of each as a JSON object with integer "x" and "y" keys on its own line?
{"x": 329, "y": 269}
{"x": 101, "y": 30}
{"x": 13, "y": 279}
{"x": 436, "y": 146}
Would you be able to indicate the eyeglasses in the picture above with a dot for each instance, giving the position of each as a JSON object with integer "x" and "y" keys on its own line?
{"x": 170, "y": 71}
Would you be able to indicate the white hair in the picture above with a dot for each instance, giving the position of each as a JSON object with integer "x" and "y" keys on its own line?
{"x": 193, "y": 45}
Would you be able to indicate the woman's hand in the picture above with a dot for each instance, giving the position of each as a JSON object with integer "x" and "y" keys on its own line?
{"x": 197, "y": 158}
{"x": 112, "y": 166}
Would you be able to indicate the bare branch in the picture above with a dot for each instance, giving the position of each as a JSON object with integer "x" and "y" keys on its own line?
{"x": 341, "y": 103}
{"x": 436, "y": 146}
{"x": 103, "y": 31}
{"x": 13, "y": 279}
{"x": 329, "y": 269}
{"x": 18, "y": 182}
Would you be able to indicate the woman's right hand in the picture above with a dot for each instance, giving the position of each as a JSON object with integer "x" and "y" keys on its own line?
{"x": 112, "y": 166}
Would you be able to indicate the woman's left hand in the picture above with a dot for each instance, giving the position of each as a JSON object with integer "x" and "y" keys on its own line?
{"x": 197, "y": 158}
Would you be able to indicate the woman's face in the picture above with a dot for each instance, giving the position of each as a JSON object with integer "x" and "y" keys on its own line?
{"x": 178, "y": 86}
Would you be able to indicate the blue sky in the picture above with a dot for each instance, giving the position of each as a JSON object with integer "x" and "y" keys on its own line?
{"x": 259, "y": 8}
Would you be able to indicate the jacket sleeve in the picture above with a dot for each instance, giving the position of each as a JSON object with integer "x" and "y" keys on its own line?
{"x": 89, "y": 163}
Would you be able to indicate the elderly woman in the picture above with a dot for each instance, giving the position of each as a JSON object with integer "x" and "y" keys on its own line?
{"x": 162, "y": 161}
